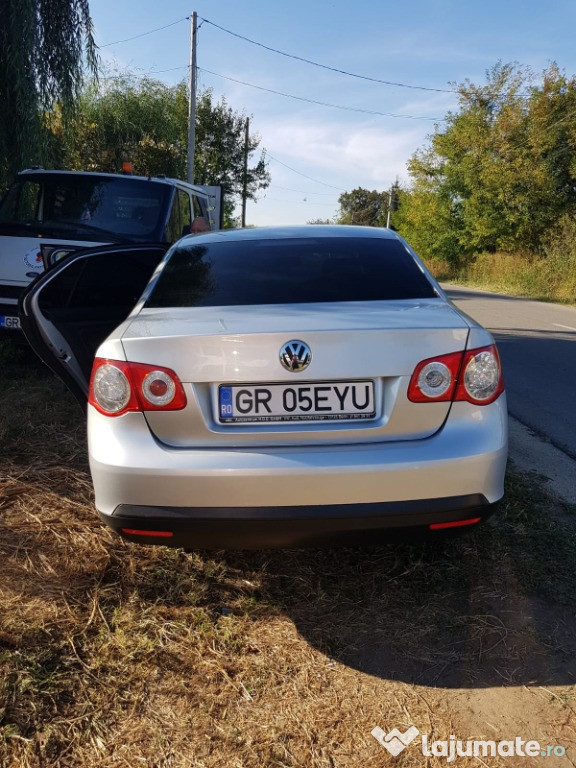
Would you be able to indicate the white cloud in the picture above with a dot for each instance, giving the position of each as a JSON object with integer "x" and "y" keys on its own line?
{"x": 341, "y": 154}
{"x": 338, "y": 154}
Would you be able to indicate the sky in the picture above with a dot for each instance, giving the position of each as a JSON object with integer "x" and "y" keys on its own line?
{"x": 315, "y": 152}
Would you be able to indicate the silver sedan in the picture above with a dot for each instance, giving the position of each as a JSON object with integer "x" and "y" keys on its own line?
{"x": 276, "y": 387}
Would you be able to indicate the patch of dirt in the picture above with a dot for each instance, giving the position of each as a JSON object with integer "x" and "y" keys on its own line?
{"x": 532, "y": 645}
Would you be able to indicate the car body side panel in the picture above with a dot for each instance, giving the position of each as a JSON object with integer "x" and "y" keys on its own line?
{"x": 20, "y": 258}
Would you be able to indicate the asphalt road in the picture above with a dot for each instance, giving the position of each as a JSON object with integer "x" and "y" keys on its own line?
{"x": 537, "y": 344}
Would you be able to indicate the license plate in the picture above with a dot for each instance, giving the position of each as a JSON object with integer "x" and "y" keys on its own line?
{"x": 312, "y": 401}
{"x": 12, "y": 323}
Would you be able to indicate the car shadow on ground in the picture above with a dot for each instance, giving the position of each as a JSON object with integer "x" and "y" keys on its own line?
{"x": 477, "y": 611}
{"x": 495, "y": 607}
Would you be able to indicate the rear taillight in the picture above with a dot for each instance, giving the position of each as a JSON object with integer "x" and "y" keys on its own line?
{"x": 481, "y": 381}
{"x": 110, "y": 389}
{"x": 434, "y": 379}
{"x": 117, "y": 387}
{"x": 473, "y": 375}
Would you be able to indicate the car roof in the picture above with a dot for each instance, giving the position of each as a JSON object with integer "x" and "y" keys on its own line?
{"x": 97, "y": 174}
{"x": 291, "y": 232}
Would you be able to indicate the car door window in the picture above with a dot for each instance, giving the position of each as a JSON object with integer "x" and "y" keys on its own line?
{"x": 185, "y": 213}
{"x": 83, "y": 299}
{"x": 197, "y": 207}
{"x": 173, "y": 228}
{"x": 21, "y": 204}
{"x": 201, "y": 221}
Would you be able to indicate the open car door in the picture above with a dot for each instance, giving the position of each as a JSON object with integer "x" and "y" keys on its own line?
{"x": 70, "y": 309}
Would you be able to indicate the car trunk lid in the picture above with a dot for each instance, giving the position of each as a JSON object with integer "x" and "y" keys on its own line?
{"x": 378, "y": 343}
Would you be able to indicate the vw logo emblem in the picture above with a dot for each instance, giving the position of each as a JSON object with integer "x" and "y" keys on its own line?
{"x": 295, "y": 356}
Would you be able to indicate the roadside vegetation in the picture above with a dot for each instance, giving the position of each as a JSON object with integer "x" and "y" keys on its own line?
{"x": 547, "y": 276}
{"x": 62, "y": 110}
{"x": 118, "y": 654}
{"x": 47, "y": 47}
{"x": 551, "y": 277}
{"x": 492, "y": 195}
{"x": 123, "y": 117}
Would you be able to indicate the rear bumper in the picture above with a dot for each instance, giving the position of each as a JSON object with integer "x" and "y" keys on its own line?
{"x": 262, "y": 527}
{"x": 287, "y": 496}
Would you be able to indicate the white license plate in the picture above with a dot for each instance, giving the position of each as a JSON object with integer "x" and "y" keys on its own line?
{"x": 12, "y": 323}
{"x": 312, "y": 401}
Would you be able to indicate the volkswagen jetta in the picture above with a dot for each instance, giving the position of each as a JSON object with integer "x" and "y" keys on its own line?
{"x": 275, "y": 386}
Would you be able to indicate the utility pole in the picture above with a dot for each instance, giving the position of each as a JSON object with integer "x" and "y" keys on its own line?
{"x": 192, "y": 104}
{"x": 245, "y": 178}
{"x": 389, "y": 207}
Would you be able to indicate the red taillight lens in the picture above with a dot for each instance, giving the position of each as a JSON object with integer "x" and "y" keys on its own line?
{"x": 434, "y": 379}
{"x": 117, "y": 387}
{"x": 473, "y": 375}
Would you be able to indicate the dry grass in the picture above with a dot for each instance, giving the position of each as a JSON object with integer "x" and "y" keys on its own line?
{"x": 115, "y": 654}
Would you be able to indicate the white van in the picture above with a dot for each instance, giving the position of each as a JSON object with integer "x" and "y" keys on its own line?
{"x": 47, "y": 210}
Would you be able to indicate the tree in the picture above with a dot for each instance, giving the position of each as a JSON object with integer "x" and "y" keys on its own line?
{"x": 146, "y": 122}
{"x": 142, "y": 121}
{"x": 220, "y": 151}
{"x": 43, "y": 45}
{"x": 363, "y": 207}
{"x": 429, "y": 222}
{"x": 500, "y": 172}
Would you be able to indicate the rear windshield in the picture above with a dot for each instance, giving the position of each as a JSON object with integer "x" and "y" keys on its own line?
{"x": 289, "y": 272}
{"x": 83, "y": 207}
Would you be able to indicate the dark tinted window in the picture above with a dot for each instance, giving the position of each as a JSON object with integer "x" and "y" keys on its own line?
{"x": 173, "y": 229}
{"x": 198, "y": 211}
{"x": 289, "y": 272}
{"x": 102, "y": 282}
{"x": 21, "y": 203}
{"x": 86, "y": 207}
{"x": 185, "y": 216}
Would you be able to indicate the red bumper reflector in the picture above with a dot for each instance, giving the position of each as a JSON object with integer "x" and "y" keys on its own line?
{"x": 136, "y": 532}
{"x": 454, "y": 523}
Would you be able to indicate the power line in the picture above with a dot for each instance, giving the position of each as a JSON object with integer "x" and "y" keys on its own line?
{"x": 322, "y": 103}
{"x": 172, "y": 69}
{"x": 298, "y": 98}
{"x": 145, "y": 76}
{"x": 303, "y": 191}
{"x": 143, "y": 34}
{"x": 325, "y": 66}
{"x": 293, "y": 202}
{"x": 303, "y": 174}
